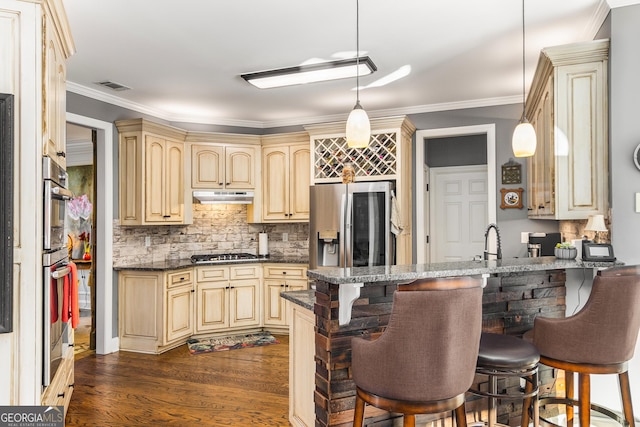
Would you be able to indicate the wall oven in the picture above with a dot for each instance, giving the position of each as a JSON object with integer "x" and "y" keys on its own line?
{"x": 55, "y": 268}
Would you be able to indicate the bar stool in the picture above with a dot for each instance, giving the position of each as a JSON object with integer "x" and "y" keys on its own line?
{"x": 599, "y": 339}
{"x": 506, "y": 356}
{"x": 424, "y": 361}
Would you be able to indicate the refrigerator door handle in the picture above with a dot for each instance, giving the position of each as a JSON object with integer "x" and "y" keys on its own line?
{"x": 349, "y": 231}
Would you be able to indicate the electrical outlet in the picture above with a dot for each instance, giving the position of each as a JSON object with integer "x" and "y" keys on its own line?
{"x": 147, "y": 241}
{"x": 285, "y": 237}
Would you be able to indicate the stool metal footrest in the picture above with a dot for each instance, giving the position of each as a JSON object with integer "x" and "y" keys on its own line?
{"x": 573, "y": 402}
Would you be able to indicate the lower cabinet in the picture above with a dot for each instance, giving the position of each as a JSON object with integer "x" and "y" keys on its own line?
{"x": 59, "y": 392}
{"x": 227, "y": 297}
{"x": 281, "y": 278}
{"x": 155, "y": 309}
{"x": 161, "y": 310}
{"x": 302, "y": 366}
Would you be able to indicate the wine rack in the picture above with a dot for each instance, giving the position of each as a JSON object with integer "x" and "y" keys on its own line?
{"x": 379, "y": 159}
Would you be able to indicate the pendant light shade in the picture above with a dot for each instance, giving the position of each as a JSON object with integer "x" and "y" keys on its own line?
{"x": 524, "y": 141}
{"x": 358, "y": 126}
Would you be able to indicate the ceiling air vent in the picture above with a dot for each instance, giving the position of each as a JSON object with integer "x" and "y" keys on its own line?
{"x": 113, "y": 85}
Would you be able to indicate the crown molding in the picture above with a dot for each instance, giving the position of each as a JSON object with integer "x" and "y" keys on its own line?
{"x": 402, "y": 111}
{"x": 621, "y": 3}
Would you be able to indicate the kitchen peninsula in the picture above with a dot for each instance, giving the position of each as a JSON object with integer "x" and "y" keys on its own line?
{"x": 516, "y": 291}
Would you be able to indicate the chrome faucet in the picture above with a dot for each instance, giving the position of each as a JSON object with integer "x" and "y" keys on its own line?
{"x": 498, "y": 253}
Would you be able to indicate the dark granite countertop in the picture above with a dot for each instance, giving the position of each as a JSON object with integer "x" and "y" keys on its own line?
{"x": 306, "y": 298}
{"x": 400, "y": 273}
{"x": 186, "y": 263}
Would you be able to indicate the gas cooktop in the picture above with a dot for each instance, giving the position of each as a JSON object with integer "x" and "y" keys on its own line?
{"x": 221, "y": 258}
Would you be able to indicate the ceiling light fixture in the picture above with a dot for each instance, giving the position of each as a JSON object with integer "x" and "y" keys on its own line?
{"x": 524, "y": 135}
{"x": 358, "y": 125}
{"x": 311, "y": 73}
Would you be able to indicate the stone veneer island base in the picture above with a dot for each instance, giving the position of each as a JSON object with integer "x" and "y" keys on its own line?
{"x": 516, "y": 292}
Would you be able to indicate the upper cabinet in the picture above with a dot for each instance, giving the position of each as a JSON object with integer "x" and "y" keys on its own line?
{"x": 285, "y": 178}
{"x": 567, "y": 178}
{"x": 218, "y": 166}
{"x": 151, "y": 173}
{"x": 57, "y": 47}
{"x": 387, "y": 158}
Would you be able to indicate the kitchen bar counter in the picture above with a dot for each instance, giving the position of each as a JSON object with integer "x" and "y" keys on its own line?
{"x": 516, "y": 291}
{"x": 186, "y": 263}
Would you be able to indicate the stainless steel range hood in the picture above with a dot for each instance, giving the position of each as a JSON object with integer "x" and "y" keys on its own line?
{"x": 223, "y": 197}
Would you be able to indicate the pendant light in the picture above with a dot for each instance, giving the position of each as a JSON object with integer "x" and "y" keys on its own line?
{"x": 524, "y": 136}
{"x": 358, "y": 126}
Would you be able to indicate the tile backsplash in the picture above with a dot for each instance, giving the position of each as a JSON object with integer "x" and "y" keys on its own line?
{"x": 215, "y": 229}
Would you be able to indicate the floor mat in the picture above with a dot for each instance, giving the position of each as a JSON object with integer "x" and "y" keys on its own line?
{"x": 209, "y": 345}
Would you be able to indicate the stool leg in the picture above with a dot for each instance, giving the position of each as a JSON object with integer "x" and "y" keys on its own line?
{"x": 409, "y": 420}
{"x": 625, "y": 394}
{"x": 532, "y": 384}
{"x": 461, "y": 416}
{"x": 493, "y": 410}
{"x": 568, "y": 383}
{"x": 584, "y": 395}
{"x": 358, "y": 414}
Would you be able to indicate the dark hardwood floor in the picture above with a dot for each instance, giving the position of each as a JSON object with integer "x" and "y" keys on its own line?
{"x": 247, "y": 387}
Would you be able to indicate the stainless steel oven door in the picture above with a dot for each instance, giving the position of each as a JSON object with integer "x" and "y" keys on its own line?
{"x": 55, "y": 201}
{"x": 55, "y": 331}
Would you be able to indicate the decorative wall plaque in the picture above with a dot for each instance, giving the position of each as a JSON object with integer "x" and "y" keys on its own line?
{"x": 511, "y": 172}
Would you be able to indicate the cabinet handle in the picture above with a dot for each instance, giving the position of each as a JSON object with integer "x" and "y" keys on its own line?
{"x": 282, "y": 285}
{"x": 166, "y": 216}
{"x": 182, "y": 278}
{"x": 228, "y": 183}
{"x": 61, "y": 154}
{"x": 71, "y": 345}
{"x": 72, "y": 385}
{"x": 284, "y": 272}
{"x": 61, "y": 394}
{"x": 221, "y": 183}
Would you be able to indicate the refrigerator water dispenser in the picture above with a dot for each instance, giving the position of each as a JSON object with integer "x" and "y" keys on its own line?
{"x": 328, "y": 248}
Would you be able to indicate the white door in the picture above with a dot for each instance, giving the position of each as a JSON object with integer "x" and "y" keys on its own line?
{"x": 458, "y": 212}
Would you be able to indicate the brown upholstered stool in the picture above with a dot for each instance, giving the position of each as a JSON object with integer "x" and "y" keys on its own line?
{"x": 505, "y": 356}
{"x": 599, "y": 339}
{"x": 424, "y": 361}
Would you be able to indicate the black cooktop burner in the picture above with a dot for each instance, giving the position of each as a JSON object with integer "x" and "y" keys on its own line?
{"x": 220, "y": 258}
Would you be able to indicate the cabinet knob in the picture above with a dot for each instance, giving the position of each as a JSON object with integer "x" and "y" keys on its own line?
{"x": 284, "y": 272}
{"x": 220, "y": 183}
{"x": 228, "y": 183}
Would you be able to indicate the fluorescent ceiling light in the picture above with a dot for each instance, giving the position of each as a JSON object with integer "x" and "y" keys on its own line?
{"x": 311, "y": 73}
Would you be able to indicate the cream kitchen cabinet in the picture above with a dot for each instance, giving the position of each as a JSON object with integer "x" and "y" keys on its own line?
{"x": 227, "y": 298}
{"x": 155, "y": 309}
{"x": 216, "y": 166}
{"x": 568, "y": 176}
{"x": 59, "y": 391}
{"x": 151, "y": 173}
{"x": 286, "y": 178}
{"x": 280, "y": 278}
{"x": 57, "y": 47}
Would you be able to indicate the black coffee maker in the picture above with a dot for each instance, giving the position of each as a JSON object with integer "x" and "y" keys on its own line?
{"x": 547, "y": 242}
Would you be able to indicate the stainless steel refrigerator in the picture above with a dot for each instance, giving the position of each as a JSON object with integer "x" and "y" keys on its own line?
{"x": 349, "y": 225}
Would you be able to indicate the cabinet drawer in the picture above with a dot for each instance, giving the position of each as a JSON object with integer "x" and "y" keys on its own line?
{"x": 287, "y": 271}
{"x": 178, "y": 278}
{"x": 245, "y": 272}
{"x": 212, "y": 274}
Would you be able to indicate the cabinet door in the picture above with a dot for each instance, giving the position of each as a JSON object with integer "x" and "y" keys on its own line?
{"x": 275, "y": 190}
{"x": 240, "y": 168}
{"x": 140, "y": 308}
{"x": 299, "y": 158}
{"x": 274, "y": 306}
{"x": 212, "y": 311}
{"x": 179, "y": 320}
{"x": 174, "y": 182}
{"x": 207, "y": 166}
{"x": 54, "y": 94}
{"x": 154, "y": 179}
{"x": 244, "y": 303}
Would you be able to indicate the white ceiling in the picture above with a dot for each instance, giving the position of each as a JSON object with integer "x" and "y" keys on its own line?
{"x": 182, "y": 59}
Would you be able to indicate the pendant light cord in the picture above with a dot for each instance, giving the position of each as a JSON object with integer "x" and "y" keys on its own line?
{"x": 524, "y": 117}
{"x": 358, "y": 52}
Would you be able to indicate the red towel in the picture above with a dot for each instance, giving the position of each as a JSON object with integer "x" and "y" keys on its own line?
{"x": 53, "y": 298}
{"x": 75, "y": 306}
{"x": 70, "y": 307}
